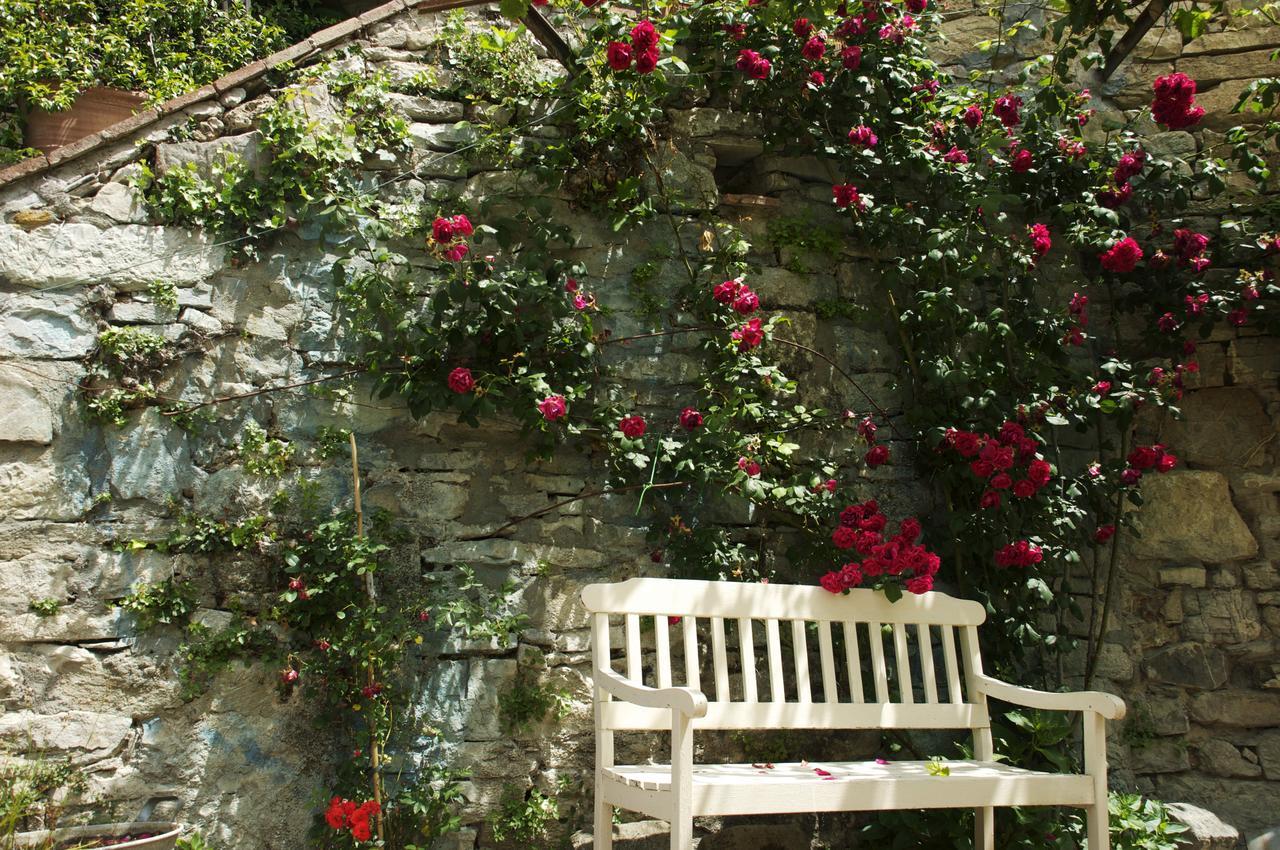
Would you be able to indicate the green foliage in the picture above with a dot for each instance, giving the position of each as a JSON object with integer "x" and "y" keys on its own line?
{"x": 48, "y": 607}
{"x": 331, "y": 442}
{"x": 51, "y": 50}
{"x": 164, "y": 293}
{"x": 467, "y": 605}
{"x": 263, "y": 455}
{"x": 169, "y": 602}
{"x": 426, "y": 810}
{"x": 111, "y": 405}
{"x": 310, "y": 170}
{"x": 130, "y": 348}
{"x": 207, "y": 652}
{"x": 193, "y": 840}
{"x": 1139, "y": 823}
{"x": 529, "y": 701}
{"x": 524, "y": 816}
{"x": 33, "y": 791}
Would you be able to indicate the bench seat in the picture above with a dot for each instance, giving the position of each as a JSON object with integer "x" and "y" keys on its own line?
{"x": 725, "y": 789}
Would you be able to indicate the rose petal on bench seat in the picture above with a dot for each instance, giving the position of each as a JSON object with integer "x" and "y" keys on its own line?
{"x": 723, "y": 789}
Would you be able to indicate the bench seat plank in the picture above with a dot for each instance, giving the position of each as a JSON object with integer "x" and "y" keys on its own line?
{"x": 729, "y": 789}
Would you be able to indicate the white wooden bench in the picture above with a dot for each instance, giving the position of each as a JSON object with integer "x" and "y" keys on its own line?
{"x": 941, "y": 687}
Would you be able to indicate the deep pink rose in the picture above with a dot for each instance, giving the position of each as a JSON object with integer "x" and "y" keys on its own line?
{"x": 1188, "y": 244}
{"x": 749, "y": 335}
{"x": 851, "y": 57}
{"x": 456, "y": 252}
{"x": 1022, "y": 161}
{"x": 1129, "y": 166}
{"x": 690, "y": 419}
{"x": 972, "y": 116}
{"x": 1174, "y": 102}
{"x": 862, "y": 136}
{"x": 817, "y": 79}
{"x": 726, "y": 292}
{"x": 746, "y": 302}
{"x": 461, "y": 225}
{"x": 1007, "y": 110}
{"x": 460, "y": 380}
{"x": 553, "y": 408}
{"x": 643, "y": 36}
{"x": 802, "y": 28}
{"x": 442, "y": 230}
{"x": 955, "y": 156}
{"x": 647, "y": 61}
{"x": 1040, "y": 240}
{"x": 846, "y": 195}
{"x": 753, "y": 64}
{"x": 1104, "y": 533}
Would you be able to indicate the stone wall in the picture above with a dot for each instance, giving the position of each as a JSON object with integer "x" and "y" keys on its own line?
{"x": 1195, "y": 644}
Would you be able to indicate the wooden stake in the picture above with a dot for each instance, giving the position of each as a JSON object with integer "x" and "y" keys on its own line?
{"x": 370, "y": 591}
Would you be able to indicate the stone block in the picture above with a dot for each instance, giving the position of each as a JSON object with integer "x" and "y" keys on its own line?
{"x": 1269, "y": 754}
{"x": 119, "y": 202}
{"x": 245, "y": 147}
{"x": 1189, "y": 514}
{"x": 201, "y": 321}
{"x": 441, "y": 137}
{"x": 426, "y": 108}
{"x": 1224, "y": 426}
{"x": 1191, "y": 665}
{"x": 88, "y": 732}
{"x": 1182, "y": 576}
{"x": 1163, "y": 755}
{"x": 51, "y": 325}
{"x": 150, "y": 460}
{"x": 1235, "y": 707}
{"x": 686, "y": 185}
{"x": 141, "y": 313}
{"x": 25, "y": 415}
{"x": 1205, "y": 830}
{"x": 130, "y": 254}
{"x": 1219, "y": 757}
{"x": 1228, "y": 616}
{"x": 1261, "y": 576}
{"x": 1208, "y": 69}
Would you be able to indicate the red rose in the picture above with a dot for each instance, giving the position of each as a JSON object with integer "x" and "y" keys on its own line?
{"x": 1167, "y": 323}
{"x": 1129, "y": 166}
{"x": 917, "y": 6}
{"x": 1002, "y": 481}
{"x": 644, "y": 36}
{"x": 1238, "y": 317}
{"x": 288, "y": 675}
{"x": 456, "y": 252}
{"x": 1022, "y": 161}
{"x": 1188, "y": 244}
{"x": 1104, "y": 533}
{"x": 817, "y": 79}
{"x": 877, "y": 455}
{"x": 461, "y": 225}
{"x": 460, "y": 380}
{"x": 1143, "y": 457}
{"x": 647, "y": 61}
{"x": 619, "y": 55}
{"x": 955, "y": 156}
{"x": 746, "y": 302}
{"x": 442, "y": 230}
{"x": 632, "y": 426}
{"x": 814, "y": 49}
{"x": 553, "y": 408}
{"x": 1024, "y": 489}
{"x": 1039, "y": 472}
{"x": 831, "y": 582}
{"x": 844, "y": 537}
{"x": 990, "y": 499}
{"x": 749, "y": 466}
{"x": 726, "y": 292}
{"x": 690, "y": 419}
{"x": 851, "y": 57}
{"x": 920, "y": 584}
{"x": 753, "y": 64}
{"x": 967, "y": 443}
{"x": 972, "y": 116}
{"x": 802, "y": 27}
{"x": 1121, "y": 257}
{"x": 749, "y": 335}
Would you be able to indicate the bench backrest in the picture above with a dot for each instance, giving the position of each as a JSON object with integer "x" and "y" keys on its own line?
{"x": 866, "y": 675}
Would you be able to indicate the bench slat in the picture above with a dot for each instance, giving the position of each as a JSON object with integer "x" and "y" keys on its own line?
{"x": 949, "y": 660}
{"x": 662, "y": 649}
{"x": 800, "y": 654}
{"x": 905, "y": 686}
{"x": 719, "y": 660}
{"x": 830, "y": 693}
{"x": 777, "y": 601}
{"x": 853, "y": 660}
{"x": 877, "y": 661}
{"x": 774, "y": 643}
{"x": 618, "y": 715}
{"x": 925, "y": 639}
{"x": 633, "y": 649}
{"x": 692, "y": 667}
{"x": 747, "y": 649}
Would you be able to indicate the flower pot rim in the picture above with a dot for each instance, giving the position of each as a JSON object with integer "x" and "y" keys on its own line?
{"x": 164, "y": 830}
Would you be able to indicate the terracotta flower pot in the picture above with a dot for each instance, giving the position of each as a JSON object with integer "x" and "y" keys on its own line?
{"x": 95, "y": 109}
{"x": 162, "y": 836}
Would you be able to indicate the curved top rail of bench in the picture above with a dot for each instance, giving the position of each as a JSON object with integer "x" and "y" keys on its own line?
{"x": 685, "y": 597}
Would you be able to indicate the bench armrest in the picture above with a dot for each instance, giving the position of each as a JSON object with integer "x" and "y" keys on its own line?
{"x": 687, "y": 701}
{"x": 1108, "y": 706}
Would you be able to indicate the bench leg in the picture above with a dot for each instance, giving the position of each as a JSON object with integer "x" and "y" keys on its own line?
{"x": 1098, "y": 827}
{"x": 603, "y": 835}
{"x": 984, "y": 828}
